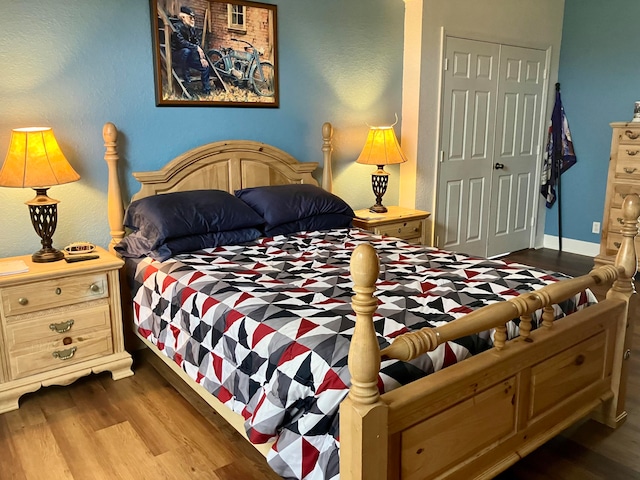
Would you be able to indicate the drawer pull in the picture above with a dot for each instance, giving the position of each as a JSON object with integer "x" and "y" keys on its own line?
{"x": 620, "y": 220}
{"x": 627, "y": 354}
{"x": 95, "y": 288}
{"x": 65, "y": 354}
{"x": 23, "y": 301}
{"x": 58, "y": 291}
{"x": 629, "y": 170}
{"x": 580, "y": 359}
{"x": 616, "y": 244}
{"x": 62, "y": 326}
{"x": 399, "y": 230}
{"x": 632, "y": 135}
{"x": 632, "y": 153}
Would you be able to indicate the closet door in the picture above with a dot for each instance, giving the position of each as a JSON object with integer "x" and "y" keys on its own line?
{"x": 466, "y": 159}
{"x": 514, "y": 185}
{"x": 491, "y": 116}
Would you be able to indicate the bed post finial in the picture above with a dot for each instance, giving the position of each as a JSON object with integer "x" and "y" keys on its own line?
{"x": 327, "y": 149}
{"x": 114, "y": 197}
{"x": 363, "y": 414}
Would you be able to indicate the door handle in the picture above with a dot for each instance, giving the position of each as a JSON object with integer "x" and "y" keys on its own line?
{"x": 498, "y": 166}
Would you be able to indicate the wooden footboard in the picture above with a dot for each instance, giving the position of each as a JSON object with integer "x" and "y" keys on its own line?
{"x": 476, "y": 418}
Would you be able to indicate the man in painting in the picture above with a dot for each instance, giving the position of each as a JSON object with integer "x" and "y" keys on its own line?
{"x": 186, "y": 49}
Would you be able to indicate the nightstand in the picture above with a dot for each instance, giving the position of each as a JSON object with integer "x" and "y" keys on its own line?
{"x": 405, "y": 223}
{"x": 58, "y": 322}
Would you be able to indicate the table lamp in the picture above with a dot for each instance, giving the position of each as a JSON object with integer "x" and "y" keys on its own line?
{"x": 380, "y": 149}
{"x": 35, "y": 160}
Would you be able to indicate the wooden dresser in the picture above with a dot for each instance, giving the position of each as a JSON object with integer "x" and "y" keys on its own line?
{"x": 623, "y": 178}
{"x": 59, "y": 321}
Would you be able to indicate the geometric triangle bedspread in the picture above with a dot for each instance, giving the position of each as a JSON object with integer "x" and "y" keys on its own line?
{"x": 265, "y": 327}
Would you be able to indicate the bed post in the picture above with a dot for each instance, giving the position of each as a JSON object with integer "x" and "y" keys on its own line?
{"x": 614, "y": 414}
{"x": 363, "y": 415}
{"x": 327, "y": 148}
{"x": 114, "y": 197}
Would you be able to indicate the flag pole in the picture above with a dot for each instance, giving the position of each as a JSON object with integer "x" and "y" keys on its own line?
{"x": 557, "y": 146}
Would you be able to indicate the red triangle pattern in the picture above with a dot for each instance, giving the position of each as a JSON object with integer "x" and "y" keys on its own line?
{"x": 310, "y": 456}
{"x": 186, "y": 293}
{"x": 168, "y": 280}
{"x": 196, "y": 276}
{"x": 426, "y": 286}
{"x": 305, "y": 326}
{"x": 260, "y": 332}
{"x": 292, "y": 352}
{"x": 461, "y": 309}
{"x": 148, "y": 271}
{"x": 231, "y": 318}
{"x": 208, "y": 303}
{"x": 449, "y": 357}
{"x": 331, "y": 381}
{"x": 244, "y": 296}
{"x": 217, "y": 366}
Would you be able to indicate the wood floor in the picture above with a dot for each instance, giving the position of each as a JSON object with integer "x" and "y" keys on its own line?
{"x": 141, "y": 427}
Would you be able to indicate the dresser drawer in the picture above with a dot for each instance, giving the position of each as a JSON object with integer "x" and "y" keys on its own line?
{"x": 567, "y": 373}
{"x": 53, "y": 293}
{"x": 56, "y": 354}
{"x": 620, "y": 191}
{"x": 628, "y": 164}
{"x": 62, "y": 323}
{"x": 614, "y": 240}
{"x": 409, "y": 230}
{"x": 630, "y": 136}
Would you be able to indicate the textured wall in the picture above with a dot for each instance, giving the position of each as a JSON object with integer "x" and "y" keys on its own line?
{"x": 75, "y": 64}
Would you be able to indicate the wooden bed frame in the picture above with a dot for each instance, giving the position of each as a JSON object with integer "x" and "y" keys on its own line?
{"x": 475, "y": 418}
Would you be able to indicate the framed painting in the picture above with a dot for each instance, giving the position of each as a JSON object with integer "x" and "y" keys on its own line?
{"x": 215, "y": 53}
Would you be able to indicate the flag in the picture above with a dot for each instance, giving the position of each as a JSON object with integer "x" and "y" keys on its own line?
{"x": 559, "y": 155}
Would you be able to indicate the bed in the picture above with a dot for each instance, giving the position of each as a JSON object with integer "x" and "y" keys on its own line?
{"x": 401, "y": 414}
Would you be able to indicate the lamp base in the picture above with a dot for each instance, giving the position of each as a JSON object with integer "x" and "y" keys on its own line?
{"x": 44, "y": 218}
{"x": 378, "y": 208}
{"x": 47, "y": 255}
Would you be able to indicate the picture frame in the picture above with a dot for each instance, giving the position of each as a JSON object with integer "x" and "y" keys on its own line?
{"x": 215, "y": 53}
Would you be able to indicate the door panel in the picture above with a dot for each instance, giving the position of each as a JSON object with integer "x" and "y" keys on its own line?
{"x": 520, "y": 87}
{"x": 469, "y": 106}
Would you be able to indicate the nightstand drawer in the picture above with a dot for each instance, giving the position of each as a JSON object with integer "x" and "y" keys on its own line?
{"x": 410, "y": 229}
{"x": 53, "y": 293}
{"x": 54, "y": 355}
{"x": 62, "y": 323}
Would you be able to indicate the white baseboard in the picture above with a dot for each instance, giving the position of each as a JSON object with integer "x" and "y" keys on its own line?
{"x": 569, "y": 245}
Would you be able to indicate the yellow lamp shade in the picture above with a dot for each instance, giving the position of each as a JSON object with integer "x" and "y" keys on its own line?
{"x": 381, "y": 148}
{"x": 34, "y": 159}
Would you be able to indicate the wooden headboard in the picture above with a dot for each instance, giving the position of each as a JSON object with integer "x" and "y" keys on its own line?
{"x": 227, "y": 165}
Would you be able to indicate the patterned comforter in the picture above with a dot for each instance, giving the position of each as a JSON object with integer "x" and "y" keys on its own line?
{"x": 266, "y": 326}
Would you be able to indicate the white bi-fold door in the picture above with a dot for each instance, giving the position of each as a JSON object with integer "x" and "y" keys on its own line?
{"x": 490, "y": 146}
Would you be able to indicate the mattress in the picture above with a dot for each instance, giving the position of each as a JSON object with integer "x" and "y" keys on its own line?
{"x": 266, "y": 326}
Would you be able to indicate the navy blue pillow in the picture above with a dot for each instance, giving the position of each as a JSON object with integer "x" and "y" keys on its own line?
{"x": 281, "y": 204}
{"x": 181, "y": 214}
{"x": 326, "y": 221}
{"x": 135, "y": 245}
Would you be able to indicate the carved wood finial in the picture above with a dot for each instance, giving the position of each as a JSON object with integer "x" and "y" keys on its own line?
{"x": 115, "y": 207}
{"x": 364, "y": 353}
{"x": 327, "y": 149}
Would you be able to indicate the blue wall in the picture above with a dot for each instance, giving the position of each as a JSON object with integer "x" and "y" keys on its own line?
{"x": 599, "y": 71}
{"x": 76, "y": 64}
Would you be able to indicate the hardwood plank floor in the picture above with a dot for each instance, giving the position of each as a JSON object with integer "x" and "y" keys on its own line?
{"x": 142, "y": 427}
